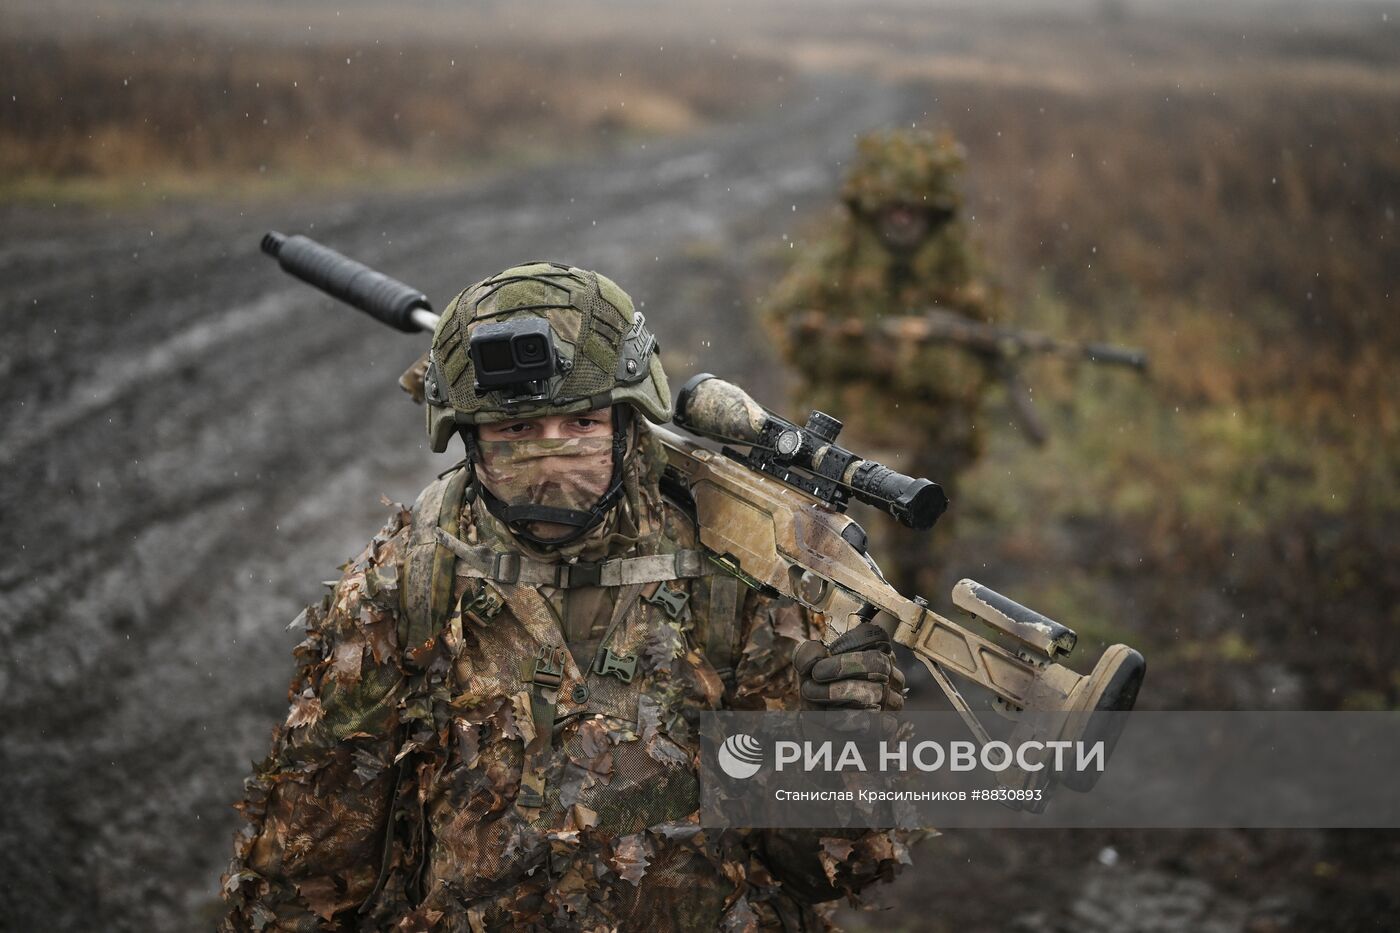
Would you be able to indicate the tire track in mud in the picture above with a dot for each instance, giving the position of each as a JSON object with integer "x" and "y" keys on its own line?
{"x": 189, "y": 445}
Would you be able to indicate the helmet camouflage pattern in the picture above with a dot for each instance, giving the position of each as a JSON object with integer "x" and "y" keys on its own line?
{"x": 606, "y": 354}
{"x": 904, "y": 167}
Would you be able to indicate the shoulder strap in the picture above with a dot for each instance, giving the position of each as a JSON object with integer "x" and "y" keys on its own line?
{"x": 425, "y": 595}
{"x": 426, "y": 590}
{"x": 722, "y": 630}
{"x": 718, "y": 629}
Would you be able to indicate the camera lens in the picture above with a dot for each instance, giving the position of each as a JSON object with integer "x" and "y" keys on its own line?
{"x": 530, "y": 350}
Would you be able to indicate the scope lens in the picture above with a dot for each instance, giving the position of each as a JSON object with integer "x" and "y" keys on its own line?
{"x": 530, "y": 350}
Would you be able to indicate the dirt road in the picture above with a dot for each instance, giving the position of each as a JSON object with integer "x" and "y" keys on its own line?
{"x": 192, "y": 440}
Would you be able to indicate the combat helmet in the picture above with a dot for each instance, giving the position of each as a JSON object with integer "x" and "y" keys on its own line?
{"x": 913, "y": 167}
{"x": 540, "y": 339}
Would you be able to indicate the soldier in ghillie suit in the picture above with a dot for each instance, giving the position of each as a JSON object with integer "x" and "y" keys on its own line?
{"x": 492, "y": 724}
{"x": 898, "y": 248}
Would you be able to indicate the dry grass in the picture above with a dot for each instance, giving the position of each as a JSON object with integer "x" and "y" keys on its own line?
{"x": 200, "y": 107}
{"x": 1237, "y": 220}
{"x": 1220, "y": 189}
{"x": 1225, "y": 196}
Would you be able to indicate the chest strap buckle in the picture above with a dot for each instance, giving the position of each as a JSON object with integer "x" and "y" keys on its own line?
{"x": 505, "y": 567}
{"x": 547, "y": 668}
{"x": 672, "y": 602}
{"x": 621, "y": 666}
{"x": 583, "y": 573}
{"x": 484, "y": 606}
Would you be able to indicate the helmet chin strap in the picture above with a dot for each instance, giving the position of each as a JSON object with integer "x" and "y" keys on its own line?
{"x": 518, "y": 518}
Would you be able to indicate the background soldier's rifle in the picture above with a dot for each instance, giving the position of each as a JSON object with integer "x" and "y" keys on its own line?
{"x": 1004, "y": 347}
{"x": 773, "y": 514}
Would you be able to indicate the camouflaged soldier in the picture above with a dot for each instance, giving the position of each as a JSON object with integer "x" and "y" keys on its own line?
{"x": 897, "y": 248}
{"x": 491, "y": 726}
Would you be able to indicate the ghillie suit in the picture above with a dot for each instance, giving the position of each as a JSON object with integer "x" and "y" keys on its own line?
{"x": 488, "y": 732}
{"x": 897, "y": 248}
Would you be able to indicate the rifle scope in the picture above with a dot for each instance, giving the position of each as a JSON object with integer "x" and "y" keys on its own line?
{"x": 806, "y": 457}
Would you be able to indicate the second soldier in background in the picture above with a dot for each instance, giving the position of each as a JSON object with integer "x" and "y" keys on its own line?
{"x": 898, "y": 248}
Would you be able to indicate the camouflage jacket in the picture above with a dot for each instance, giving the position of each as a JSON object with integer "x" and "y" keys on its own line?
{"x": 418, "y": 784}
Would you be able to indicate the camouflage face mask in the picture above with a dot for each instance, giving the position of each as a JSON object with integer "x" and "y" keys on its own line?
{"x": 555, "y": 478}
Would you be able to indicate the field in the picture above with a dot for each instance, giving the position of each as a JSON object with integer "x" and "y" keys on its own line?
{"x": 1226, "y": 201}
{"x": 1228, "y": 204}
{"x": 1218, "y": 187}
{"x": 161, "y": 110}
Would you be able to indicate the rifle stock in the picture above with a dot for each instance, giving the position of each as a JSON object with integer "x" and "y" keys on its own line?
{"x": 790, "y": 543}
{"x": 780, "y": 539}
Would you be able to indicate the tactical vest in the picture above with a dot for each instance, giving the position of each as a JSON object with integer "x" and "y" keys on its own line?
{"x": 435, "y": 555}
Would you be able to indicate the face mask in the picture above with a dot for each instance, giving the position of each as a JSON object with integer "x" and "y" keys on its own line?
{"x": 530, "y": 477}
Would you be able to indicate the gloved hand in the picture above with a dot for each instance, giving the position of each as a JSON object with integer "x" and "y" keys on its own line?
{"x": 858, "y": 671}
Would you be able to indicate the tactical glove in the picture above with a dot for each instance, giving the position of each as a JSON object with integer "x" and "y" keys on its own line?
{"x": 858, "y": 671}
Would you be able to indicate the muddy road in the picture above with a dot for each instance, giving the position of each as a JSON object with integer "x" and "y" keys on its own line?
{"x": 192, "y": 441}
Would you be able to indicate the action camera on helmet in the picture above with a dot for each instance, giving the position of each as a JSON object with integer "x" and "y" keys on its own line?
{"x": 512, "y": 354}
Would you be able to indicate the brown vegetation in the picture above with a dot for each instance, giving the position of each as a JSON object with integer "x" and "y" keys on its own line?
{"x": 1229, "y": 204}
{"x": 1242, "y": 231}
{"x": 154, "y": 105}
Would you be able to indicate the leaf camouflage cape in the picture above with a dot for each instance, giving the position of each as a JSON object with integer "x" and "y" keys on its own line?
{"x": 416, "y": 785}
